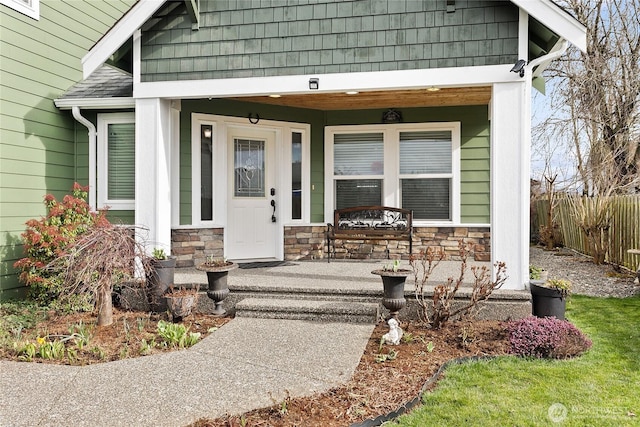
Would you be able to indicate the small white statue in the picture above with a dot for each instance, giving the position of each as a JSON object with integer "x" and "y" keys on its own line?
{"x": 395, "y": 333}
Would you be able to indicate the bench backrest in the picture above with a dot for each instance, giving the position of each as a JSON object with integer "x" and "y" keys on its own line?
{"x": 373, "y": 220}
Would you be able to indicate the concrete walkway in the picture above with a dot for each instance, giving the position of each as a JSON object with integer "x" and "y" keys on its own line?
{"x": 246, "y": 364}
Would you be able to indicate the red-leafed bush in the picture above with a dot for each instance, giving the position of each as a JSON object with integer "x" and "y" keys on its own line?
{"x": 546, "y": 337}
{"x": 46, "y": 239}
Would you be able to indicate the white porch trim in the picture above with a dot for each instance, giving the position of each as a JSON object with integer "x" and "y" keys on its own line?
{"x": 328, "y": 83}
{"x": 153, "y": 203}
{"x": 510, "y": 139}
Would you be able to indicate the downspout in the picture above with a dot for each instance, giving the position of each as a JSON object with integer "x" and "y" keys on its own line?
{"x": 92, "y": 154}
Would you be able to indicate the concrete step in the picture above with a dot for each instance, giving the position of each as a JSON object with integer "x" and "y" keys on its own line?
{"x": 308, "y": 309}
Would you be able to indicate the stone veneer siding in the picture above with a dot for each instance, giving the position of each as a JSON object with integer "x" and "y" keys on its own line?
{"x": 309, "y": 242}
{"x": 192, "y": 246}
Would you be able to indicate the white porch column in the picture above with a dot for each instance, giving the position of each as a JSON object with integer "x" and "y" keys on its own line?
{"x": 153, "y": 171}
{"x": 510, "y": 152}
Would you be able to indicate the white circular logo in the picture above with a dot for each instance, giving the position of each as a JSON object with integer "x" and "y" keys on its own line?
{"x": 557, "y": 412}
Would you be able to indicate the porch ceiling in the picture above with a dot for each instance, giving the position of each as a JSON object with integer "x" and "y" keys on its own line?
{"x": 381, "y": 99}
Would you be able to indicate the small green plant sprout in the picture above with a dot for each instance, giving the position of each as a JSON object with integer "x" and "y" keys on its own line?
{"x": 159, "y": 254}
{"x": 394, "y": 266}
{"x": 430, "y": 346}
{"x": 535, "y": 273}
{"x": 176, "y": 335}
{"x": 562, "y": 285}
{"x": 392, "y": 355}
{"x": 408, "y": 337}
{"x": 146, "y": 346}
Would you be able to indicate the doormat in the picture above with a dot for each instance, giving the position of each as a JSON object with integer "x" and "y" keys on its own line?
{"x": 264, "y": 264}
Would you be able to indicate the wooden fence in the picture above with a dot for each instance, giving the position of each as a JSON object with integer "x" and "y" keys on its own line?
{"x": 624, "y": 232}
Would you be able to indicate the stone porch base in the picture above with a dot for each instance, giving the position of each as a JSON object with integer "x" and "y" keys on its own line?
{"x": 192, "y": 246}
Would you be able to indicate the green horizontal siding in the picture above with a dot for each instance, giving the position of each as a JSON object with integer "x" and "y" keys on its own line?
{"x": 257, "y": 38}
{"x": 39, "y": 61}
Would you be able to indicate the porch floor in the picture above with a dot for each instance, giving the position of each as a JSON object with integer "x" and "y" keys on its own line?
{"x": 343, "y": 281}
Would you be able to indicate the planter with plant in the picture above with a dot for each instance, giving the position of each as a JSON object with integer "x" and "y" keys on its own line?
{"x": 160, "y": 278}
{"x": 217, "y": 272}
{"x": 180, "y": 302}
{"x": 538, "y": 274}
{"x": 393, "y": 281}
{"x": 550, "y": 298}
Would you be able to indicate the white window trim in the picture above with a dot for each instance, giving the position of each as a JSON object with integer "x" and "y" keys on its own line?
{"x": 104, "y": 120}
{"x": 220, "y": 126}
{"x": 32, "y": 11}
{"x": 391, "y": 179}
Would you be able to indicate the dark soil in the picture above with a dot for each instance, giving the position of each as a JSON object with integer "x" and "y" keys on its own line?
{"x": 377, "y": 387}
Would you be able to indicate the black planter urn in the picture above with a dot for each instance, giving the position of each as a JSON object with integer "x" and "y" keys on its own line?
{"x": 159, "y": 280}
{"x": 218, "y": 288}
{"x": 393, "y": 285}
{"x": 547, "y": 302}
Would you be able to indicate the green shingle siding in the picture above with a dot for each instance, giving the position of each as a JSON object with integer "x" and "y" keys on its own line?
{"x": 301, "y": 38}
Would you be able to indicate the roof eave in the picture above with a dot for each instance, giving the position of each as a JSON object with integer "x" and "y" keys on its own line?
{"x": 557, "y": 20}
{"x": 119, "y": 34}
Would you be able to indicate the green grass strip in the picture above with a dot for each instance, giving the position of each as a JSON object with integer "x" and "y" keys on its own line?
{"x": 600, "y": 388}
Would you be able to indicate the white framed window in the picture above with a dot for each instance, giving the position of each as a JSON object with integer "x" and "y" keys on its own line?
{"x": 31, "y": 8}
{"x": 411, "y": 166}
{"x": 116, "y": 161}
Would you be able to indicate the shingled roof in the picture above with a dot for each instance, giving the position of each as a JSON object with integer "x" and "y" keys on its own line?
{"x": 105, "y": 82}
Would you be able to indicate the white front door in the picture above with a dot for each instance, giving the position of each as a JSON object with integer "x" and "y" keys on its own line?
{"x": 252, "y": 222}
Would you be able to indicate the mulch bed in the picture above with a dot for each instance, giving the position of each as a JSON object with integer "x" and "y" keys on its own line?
{"x": 376, "y": 387}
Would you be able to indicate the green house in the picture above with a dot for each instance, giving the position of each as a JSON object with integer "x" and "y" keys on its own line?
{"x": 235, "y": 128}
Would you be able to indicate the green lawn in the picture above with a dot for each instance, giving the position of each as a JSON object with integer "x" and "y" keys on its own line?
{"x": 600, "y": 388}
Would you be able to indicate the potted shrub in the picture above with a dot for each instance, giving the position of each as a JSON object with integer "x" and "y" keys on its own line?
{"x": 549, "y": 298}
{"x": 180, "y": 302}
{"x": 217, "y": 271}
{"x": 538, "y": 274}
{"x": 393, "y": 280}
{"x": 160, "y": 278}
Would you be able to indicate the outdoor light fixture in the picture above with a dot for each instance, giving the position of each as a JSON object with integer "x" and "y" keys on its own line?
{"x": 274, "y": 96}
{"x": 352, "y": 92}
{"x": 314, "y": 83}
{"x": 207, "y": 133}
{"x": 519, "y": 67}
{"x": 433, "y": 89}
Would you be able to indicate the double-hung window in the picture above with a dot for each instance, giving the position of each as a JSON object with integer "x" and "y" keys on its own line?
{"x": 358, "y": 169}
{"x": 31, "y": 8}
{"x": 426, "y": 174}
{"x": 116, "y": 161}
{"x": 411, "y": 166}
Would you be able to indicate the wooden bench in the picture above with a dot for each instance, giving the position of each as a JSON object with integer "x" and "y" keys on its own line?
{"x": 369, "y": 223}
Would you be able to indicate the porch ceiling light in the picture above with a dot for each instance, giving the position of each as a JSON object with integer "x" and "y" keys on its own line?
{"x": 314, "y": 83}
{"x": 275, "y": 95}
{"x": 352, "y": 92}
{"x": 433, "y": 89}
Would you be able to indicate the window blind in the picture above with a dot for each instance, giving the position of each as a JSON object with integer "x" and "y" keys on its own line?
{"x": 121, "y": 161}
{"x": 358, "y": 154}
{"x": 358, "y": 192}
{"x": 428, "y": 198}
{"x": 425, "y": 152}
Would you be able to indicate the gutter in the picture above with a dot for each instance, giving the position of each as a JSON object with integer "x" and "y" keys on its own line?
{"x": 92, "y": 153}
